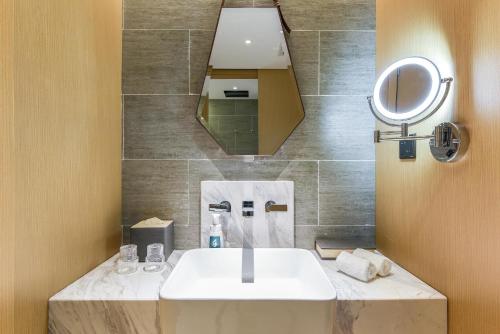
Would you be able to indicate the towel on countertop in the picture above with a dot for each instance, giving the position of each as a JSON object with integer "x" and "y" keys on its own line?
{"x": 380, "y": 262}
{"x": 356, "y": 267}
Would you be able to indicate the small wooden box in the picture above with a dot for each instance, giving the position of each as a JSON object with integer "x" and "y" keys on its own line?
{"x": 152, "y": 231}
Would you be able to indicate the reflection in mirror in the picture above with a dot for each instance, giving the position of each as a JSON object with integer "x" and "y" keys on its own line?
{"x": 250, "y": 102}
{"x": 407, "y": 91}
{"x": 406, "y": 88}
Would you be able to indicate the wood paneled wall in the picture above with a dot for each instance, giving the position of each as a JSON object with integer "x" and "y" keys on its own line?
{"x": 6, "y": 169}
{"x": 280, "y": 109}
{"x": 60, "y": 150}
{"x": 442, "y": 221}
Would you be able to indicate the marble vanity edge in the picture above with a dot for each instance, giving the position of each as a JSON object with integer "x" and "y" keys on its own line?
{"x": 399, "y": 285}
{"x": 102, "y": 284}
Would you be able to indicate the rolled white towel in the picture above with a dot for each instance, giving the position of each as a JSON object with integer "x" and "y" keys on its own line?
{"x": 380, "y": 262}
{"x": 356, "y": 267}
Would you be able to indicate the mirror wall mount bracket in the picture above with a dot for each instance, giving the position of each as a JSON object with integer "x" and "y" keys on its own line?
{"x": 448, "y": 142}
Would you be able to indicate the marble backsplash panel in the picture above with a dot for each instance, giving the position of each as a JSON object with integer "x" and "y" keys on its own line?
{"x": 265, "y": 229}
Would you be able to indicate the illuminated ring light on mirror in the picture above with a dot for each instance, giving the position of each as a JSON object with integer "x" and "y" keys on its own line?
{"x": 429, "y": 100}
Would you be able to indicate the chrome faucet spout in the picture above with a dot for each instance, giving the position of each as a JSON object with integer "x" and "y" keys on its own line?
{"x": 247, "y": 255}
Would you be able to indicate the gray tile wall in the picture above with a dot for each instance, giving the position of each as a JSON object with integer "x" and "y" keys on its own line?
{"x": 234, "y": 123}
{"x": 330, "y": 156}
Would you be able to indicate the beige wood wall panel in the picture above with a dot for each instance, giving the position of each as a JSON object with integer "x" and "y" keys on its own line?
{"x": 442, "y": 221}
{"x": 67, "y": 150}
{"x": 6, "y": 169}
{"x": 280, "y": 108}
{"x": 217, "y": 73}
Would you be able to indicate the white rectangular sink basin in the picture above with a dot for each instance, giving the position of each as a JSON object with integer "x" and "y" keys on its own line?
{"x": 280, "y": 274}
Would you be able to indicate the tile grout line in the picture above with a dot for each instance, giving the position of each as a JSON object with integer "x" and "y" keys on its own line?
{"x": 123, "y": 15}
{"x": 333, "y": 95}
{"x": 188, "y": 191}
{"x": 123, "y": 127}
{"x": 296, "y": 225}
{"x": 319, "y": 62}
{"x": 161, "y": 94}
{"x": 195, "y": 94}
{"x": 335, "y": 30}
{"x": 318, "y": 191}
{"x": 242, "y": 160}
{"x": 173, "y": 29}
{"x": 123, "y": 103}
{"x": 189, "y": 61}
{"x": 295, "y": 30}
{"x": 332, "y": 225}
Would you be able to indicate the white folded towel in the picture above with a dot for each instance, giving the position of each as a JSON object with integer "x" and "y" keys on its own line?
{"x": 380, "y": 262}
{"x": 356, "y": 267}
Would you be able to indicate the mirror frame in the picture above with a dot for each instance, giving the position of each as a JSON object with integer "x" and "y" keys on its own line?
{"x": 286, "y": 31}
{"x": 424, "y": 110}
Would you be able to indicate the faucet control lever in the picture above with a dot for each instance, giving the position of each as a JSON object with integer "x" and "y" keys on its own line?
{"x": 271, "y": 206}
{"x": 223, "y": 206}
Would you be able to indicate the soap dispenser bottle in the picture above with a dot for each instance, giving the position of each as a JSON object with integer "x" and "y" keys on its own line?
{"x": 216, "y": 235}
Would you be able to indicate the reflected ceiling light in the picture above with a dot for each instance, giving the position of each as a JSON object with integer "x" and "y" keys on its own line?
{"x": 235, "y": 88}
{"x": 248, "y": 42}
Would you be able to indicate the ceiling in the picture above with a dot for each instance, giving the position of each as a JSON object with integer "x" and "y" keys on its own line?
{"x": 261, "y": 26}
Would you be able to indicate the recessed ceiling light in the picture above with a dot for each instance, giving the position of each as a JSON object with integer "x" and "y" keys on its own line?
{"x": 248, "y": 42}
{"x": 235, "y": 88}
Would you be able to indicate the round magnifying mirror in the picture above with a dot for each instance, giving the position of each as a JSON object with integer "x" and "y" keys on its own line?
{"x": 407, "y": 91}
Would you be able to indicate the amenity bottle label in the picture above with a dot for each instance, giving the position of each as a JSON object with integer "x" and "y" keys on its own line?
{"x": 215, "y": 242}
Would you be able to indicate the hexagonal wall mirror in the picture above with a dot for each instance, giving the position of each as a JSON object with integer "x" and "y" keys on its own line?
{"x": 250, "y": 102}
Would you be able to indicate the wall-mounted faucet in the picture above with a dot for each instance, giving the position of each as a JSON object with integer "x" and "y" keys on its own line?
{"x": 247, "y": 255}
{"x": 223, "y": 206}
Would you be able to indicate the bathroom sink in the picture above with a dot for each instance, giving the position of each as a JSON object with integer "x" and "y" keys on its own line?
{"x": 280, "y": 274}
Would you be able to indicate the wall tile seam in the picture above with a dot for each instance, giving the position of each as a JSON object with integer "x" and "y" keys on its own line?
{"x": 195, "y": 94}
{"x": 293, "y": 30}
{"x": 296, "y": 225}
{"x": 317, "y": 202}
{"x": 188, "y": 194}
{"x": 123, "y": 14}
{"x": 258, "y": 160}
{"x": 189, "y": 62}
{"x": 123, "y": 126}
{"x": 165, "y": 29}
{"x": 159, "y": 94}
{"x": 319, "y": 64}
{"x": 334, "y": 30}
{"x": 333, "y": 95}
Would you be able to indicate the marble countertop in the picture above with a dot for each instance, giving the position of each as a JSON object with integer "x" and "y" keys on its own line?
{"x": 103, "y": 283}
{"x": 399, "y": 285}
